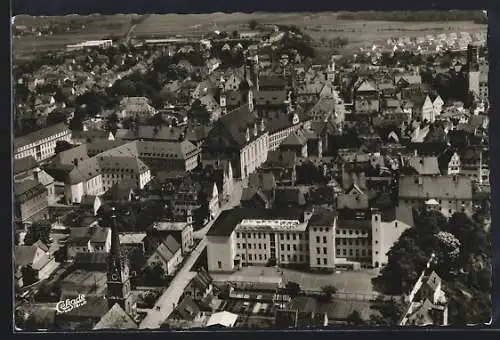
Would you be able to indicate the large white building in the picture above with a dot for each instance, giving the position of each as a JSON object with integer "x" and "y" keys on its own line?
{"x": 41, "y": 144}
{"x": 322, "y": 240}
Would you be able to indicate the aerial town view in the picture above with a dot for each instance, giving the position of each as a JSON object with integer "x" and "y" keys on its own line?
{"x": 250, "y": 171}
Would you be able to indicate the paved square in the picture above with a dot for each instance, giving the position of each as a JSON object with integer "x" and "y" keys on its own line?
{"x": 355, "y": 282}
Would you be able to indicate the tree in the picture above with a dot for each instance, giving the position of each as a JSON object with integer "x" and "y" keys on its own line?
{"x": 56, "y": 117}
{"x": 253, "y": 24}
{"x": 354, "y": 319}
{"x": 39, "y": 231}
{"x": 154, "y": 275}
{"x": 292, "y": 289}
{"x": 62, "y": 145}
{"x": 328, "y": 292}
{"x": 199, "y": 113}
{"x": 234, "y": 34}
{"x": 390, "y": 312}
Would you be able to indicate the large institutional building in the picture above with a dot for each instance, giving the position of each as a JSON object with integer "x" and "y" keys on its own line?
{"x": 321, "y": 240}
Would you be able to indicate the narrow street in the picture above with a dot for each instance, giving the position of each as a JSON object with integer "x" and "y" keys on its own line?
{"x": 169, "y": 299}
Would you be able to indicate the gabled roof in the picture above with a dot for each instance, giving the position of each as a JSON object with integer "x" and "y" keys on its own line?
{"x": 187, "y": 309}
{"x": 225, "y": 319}
{"x": 116, "y": 318}
{"x": 296, "y": 138}
{"x": 236, "y": 123}
{"x": 263, "y": 181}
{"x": 249, "y": 193}
{"x": 446, "y": 187}
{"x": 425, "y": 165}
{"x": 366, "y": 86}
{"x": 24, "y": 164}
{"x": 24, "y": 255}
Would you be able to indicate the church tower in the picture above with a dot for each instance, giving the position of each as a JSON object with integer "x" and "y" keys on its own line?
{"x": 118, "y": 283}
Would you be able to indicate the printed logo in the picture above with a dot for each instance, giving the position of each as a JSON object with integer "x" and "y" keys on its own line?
{"x": 69, "y": 304}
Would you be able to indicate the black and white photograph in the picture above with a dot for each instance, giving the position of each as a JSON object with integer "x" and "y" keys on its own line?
{"x": 250, "y": 171}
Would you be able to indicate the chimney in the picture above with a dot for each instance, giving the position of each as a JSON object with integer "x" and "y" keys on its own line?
{"x": 262, "y": 125}
{"x": 35, "y": 175}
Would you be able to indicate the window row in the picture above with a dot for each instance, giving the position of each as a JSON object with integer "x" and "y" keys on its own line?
{"x": 351, "y": 242}
{"x": 295, "y": 258}
{"x": 353, "y": 252}
{"x": 254, "y": 258}
{"x": 244, "y": 246}
{"x": 318, "y": 239}
{"x": 294, "y": 247}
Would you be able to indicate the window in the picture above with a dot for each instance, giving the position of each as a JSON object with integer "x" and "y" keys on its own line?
{"x": 288, "y": 237}
{"x": 282, "y": 258}
{"x": 300, "y": 247}
{"x": 344, "y": 252}
{"x": 356, "y": 242}
{"x": 324, "y": 239}
{"x": 282, "y": 237}
{"x": 288, "y": 257}
{"x": 315, "y": 229}
{"x": 219, "y": 264}
{"x": 264, "y": 246}
{"x": 320, "y": 230}
{"x": 260, "y": 245}
{"x": 238, "y": 245}
{"x": 318, "y": 239}
{"x": 376, "y": 217}
{"x": 396, "y": 224}
{"x": 249, "y": 257}
{"x": 237, "y": 235}
{"x": 249, "y": 235}
{"x": 344, "y": 231}
{"x": 300, "y": 236}
{"x": 294, "y": 237}
{"x": 363, "y": 252}
{"x": 318, "y": 250}
{"x": 318, "y": 262}
{"x": 301, "y": 258}
{"x": 344, "y": 241}
{"x": 249, "y": 246}
{"x": 288, "y": 247}
{"x": 294, "y": 247}
{"x": 449, "y": 211}
{"x": 259, "y": 235}
{"x": 357, "y": 252}
{"x": 325, "y": 261}
{"x": 244, "y": 246}
{"x": 254, "y": 235}
{"x": 294, "y": 258}
{"x": 350, "y": 232}
{"x": 260, "y": 257}
{"x": 350, "y": 252}
{"x": 350, "y": 242}
{"x": 324, "y": 250}
{"x": 338, "y": 252}
{"x": 376, "y": 253}
{"x": 282, "y": 247}
{"x": 265, "y": 256}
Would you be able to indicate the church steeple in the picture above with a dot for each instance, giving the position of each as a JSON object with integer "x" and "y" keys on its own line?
{"x": 118, "y": 283}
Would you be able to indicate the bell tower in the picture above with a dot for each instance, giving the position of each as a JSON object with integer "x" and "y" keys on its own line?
{"x": 118, "y": 283}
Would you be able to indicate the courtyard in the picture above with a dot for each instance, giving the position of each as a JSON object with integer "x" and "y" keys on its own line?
{"x": 349, "y": 282}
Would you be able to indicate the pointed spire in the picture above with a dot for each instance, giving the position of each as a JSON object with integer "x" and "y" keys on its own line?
{"x": 115, "y": 256}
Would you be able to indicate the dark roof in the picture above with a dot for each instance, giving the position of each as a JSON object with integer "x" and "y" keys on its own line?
{"x": 289, "y": 196}
{"x": 24, "y": 255}
{"x": 236, "y": 123}
{"x": 90, "y": 134}
{"x": 27, "y": 189}
{"x": 172, "y": 244}
{"x": 284, "y": 159}
{"x": 363, "y": 224}
{"x": 249, "y": 193}
{"x": 99, "y": 259}
{"x": 226, "y": 222}
{"x": 277, "y": 122}
{"x": 270, "y": 97}
{"x": 154, "y": 133}
{"x": 263, "y": 181}
{"x": 187, "y": 309}
{"x": 400, "y": 213}
{"x": 322, "y": 218}
{"x": 24, "y": 164}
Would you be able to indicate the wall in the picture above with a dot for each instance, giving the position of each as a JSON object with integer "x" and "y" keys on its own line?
{"x": 221, "y": 249}
{"x": 322, "y": 234}
{"x": 384, "y": 235}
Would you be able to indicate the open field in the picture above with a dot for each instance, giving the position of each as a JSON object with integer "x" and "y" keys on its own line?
{"x": 320, "y": 26}
{"x": 75, "y": 28}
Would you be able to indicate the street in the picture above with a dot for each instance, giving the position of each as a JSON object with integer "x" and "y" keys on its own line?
{"x": 173, "y": 293}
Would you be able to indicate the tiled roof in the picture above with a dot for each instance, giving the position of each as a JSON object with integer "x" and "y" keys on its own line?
{"x": 40, "y": 134}
{"x": 284, "y": 196}
{"x": 24, "y": 164}
{"x": 187, "y": 309}
{"x": 263, "y": 181}
{"x": 100, "y": 235}
{"x": 236, "y": 123}
{"x": 270, "y": 98}
{"x": 24, "y": 255}
{"x": 249, "y": 193}
{"x": 296, "y": 138}
{"x": 425, "y": 165}
{"x": 27, "y": 189}
{"x": 78, "y": 153}
{"x": 280, "y": 159}
{"x": 445, "y": 187}
{"x": 116, "y": 318}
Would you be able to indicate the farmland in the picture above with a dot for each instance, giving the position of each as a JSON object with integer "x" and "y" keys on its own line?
{"x": 39, "y": 34}
{"x": 323, "y": 27}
